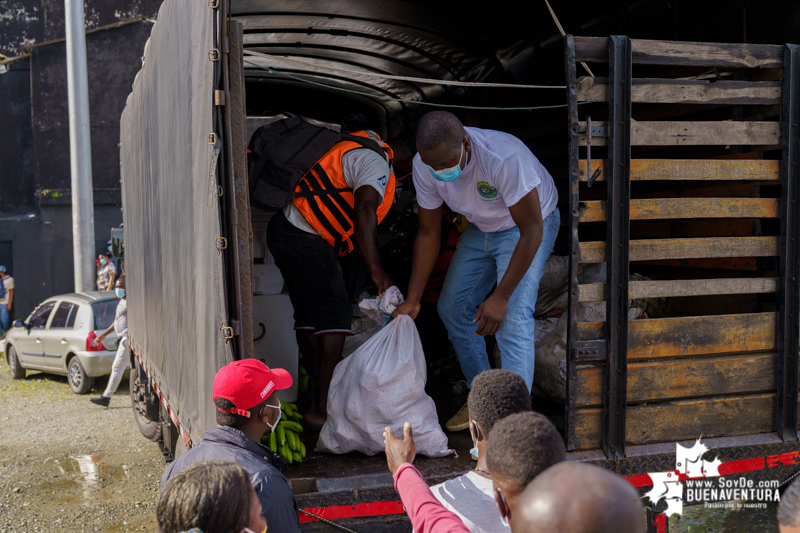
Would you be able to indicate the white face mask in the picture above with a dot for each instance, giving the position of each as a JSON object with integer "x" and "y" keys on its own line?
{"x": 248, "y": 530}
{"x": 273, "y": 426}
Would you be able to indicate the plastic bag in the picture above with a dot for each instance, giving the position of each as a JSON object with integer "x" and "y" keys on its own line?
{"x": 382, "y": 384}
{"x": 380, "y": 309}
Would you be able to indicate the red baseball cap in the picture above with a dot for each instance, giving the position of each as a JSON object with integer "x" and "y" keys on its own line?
{"x": 247, "y": 383}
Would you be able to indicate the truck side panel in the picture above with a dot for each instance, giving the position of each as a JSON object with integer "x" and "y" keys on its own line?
{"x": 169, "y": 154}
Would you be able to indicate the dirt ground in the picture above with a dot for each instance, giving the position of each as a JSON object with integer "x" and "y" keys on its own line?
{"x": 69, "y": 465}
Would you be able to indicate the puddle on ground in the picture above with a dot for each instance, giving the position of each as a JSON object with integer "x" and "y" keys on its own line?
{"x": 84, "y": 479}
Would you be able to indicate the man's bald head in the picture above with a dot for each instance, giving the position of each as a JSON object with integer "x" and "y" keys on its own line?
{"x": 573, "y": 497}
{"x": 789, "y": 509}
{"x": 439, "y": 128}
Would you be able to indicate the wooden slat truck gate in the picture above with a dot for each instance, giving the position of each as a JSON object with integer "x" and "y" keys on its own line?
{"x": 635, "y": 387}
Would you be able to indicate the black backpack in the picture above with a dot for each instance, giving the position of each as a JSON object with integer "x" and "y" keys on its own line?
{"x": 283, "y": 152}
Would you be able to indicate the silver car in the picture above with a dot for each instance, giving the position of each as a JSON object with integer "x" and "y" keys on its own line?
{"x": 57, "y": 338}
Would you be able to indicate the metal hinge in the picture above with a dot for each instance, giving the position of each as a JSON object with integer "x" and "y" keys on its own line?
{"x": 219, "y": 97}
{"x": 597, "y": 131}
{"x": 226, "y": 46}
{"x": 589, "y": 351}
{"x": 237, "y": 327}
{"x": 220, "y": 243}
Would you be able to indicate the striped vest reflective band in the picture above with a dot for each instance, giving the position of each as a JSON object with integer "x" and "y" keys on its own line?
{"x": 326, "y": 202}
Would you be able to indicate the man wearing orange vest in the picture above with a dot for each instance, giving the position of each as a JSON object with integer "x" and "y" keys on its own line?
{"x": 337, "y": 207}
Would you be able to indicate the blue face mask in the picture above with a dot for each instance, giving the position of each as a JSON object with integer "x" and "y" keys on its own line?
{"x": 449, "y": 174}
{"x": 119, "y": 292}
{"x": 103, "y": 262}
{"x": 109, "y": 247}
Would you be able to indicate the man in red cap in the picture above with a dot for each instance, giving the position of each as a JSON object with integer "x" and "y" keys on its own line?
{"x": 245, "y": 394}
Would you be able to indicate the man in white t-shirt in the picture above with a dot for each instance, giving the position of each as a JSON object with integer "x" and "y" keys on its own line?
{"x": 314, "y": 230}
{"x": 7, "y": 301}
{"x": 510, "y": 200}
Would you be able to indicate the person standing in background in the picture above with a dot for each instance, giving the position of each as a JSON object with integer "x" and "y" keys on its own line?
{"x": 118, "y": 263}
{"x": 106, "y": 272}
{"x": 6, "y": 301}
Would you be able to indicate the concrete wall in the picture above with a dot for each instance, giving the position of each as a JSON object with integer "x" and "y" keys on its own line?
{"x": 17, "y": 188}
{"x": 35, "y": 201}
{"x": 114, "y": 58}
{"x": 27, "y": 22}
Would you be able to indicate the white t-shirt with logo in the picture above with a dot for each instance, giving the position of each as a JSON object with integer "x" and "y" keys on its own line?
{"x": 360, "y": 167}
{"x": 500, "y": 172}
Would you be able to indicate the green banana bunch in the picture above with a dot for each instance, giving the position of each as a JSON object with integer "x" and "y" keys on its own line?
{"x": 285, "y": 440}
{"x": 303, "y": 380}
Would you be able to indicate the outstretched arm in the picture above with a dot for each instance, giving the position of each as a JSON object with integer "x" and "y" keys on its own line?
{"x": 426, "y": 251}
{"x": 427, "y": 514}
{"x": 365, "y": 212}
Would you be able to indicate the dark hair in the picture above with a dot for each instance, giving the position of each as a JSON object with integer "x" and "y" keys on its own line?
{"x": 214, "y": 496}
{"x": 439, "y": 128}
{"x": 354, "y": 120}
{"x": 495, "y": 395}
{"x": 121, "y": 281}
{"x": 789, "y": 507}
{"x": 522, "y": 446}
{"x": 232, "y": 419}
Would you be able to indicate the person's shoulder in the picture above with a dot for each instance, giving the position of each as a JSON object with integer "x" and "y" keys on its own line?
{"x": 266, "y": 478}
{"x": 498, "y": 144}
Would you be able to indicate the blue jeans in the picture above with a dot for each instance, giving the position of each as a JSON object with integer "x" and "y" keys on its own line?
{"x": 480, "y": 261}
{"x": 5, "y": 319}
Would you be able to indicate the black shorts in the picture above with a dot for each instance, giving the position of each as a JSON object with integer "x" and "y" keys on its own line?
{"x": 313, "y": 275}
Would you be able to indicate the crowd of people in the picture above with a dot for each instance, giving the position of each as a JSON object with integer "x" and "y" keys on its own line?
{"x": 231, "y": 483}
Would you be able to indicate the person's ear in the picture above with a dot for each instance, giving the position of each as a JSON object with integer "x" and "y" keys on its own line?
{"x": 467, "y": 144}
{"x": 475, "y": 431}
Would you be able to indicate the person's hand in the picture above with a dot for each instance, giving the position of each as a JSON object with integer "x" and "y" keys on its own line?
{"x": 490, "y": 315}
{"x": 399, "y": 451}
{"x": 382, "y": 280}
{"x": 407, "y": 308}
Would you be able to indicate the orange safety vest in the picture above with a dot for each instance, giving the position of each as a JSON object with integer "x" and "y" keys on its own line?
{"x": 326, "y": 202}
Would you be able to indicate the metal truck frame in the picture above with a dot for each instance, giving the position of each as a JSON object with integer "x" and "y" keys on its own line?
{"x": 634, "y": 387}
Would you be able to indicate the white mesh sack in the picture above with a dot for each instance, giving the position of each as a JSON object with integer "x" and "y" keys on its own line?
{"x": 382, "y": 384}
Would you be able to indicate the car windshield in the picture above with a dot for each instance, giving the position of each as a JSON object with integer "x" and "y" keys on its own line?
{"x": 104, "y": 312}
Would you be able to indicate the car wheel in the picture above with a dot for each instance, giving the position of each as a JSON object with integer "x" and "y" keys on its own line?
{"x": 141, "y": 403}
{"x": 17, "y": 372}
{"x": 79, "y": 382}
